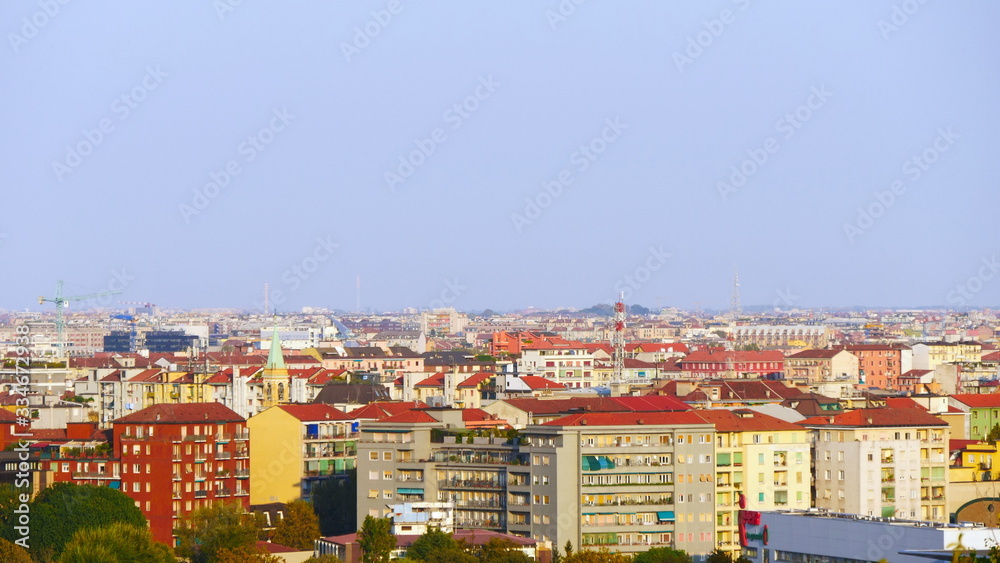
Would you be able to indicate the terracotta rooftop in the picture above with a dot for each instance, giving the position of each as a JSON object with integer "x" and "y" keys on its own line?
{"x": 165, "y": 413}
{"x": 315, "y": 412}
{"x": 875, "y": 418}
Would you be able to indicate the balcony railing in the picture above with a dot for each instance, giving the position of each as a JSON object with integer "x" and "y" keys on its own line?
{"x": 471, "y": 484}
{"x": 95, "y": 475}
{"x": 242, "y": 473}
{"x": 200, "y": 494}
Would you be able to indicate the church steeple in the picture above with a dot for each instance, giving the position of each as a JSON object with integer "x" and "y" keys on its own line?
{"x": 275, "y": 359}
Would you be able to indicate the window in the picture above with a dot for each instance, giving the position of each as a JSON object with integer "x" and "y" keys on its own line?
{"x": 386, "y": 456}
{"x": 387, "y": 475}
{"x": 387, "y": 494}
{"x": 760, "y": 497}
{"x": 372, "y": 456}
{"x": 373, "y": 475}
{"x": 840, "y": 475}
{"x": 840, "y": 456}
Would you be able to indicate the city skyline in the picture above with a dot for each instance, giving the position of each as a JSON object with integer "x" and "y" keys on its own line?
{"x": 501, "y": 155}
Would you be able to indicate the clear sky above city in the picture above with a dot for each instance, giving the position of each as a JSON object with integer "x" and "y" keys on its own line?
{"x": 501, "y": 154}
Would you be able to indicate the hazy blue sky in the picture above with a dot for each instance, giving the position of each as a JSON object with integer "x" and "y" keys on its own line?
{"x": 317, "y": 109}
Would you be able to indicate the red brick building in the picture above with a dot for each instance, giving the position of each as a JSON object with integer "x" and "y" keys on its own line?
{"x": 170, "y": 458}
{"x": 715, "y": 364}
{"x": 880, "y": 365}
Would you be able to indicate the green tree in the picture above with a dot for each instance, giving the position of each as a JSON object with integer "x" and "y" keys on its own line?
{"x": 719, "y": 556}
{"x": 246, "y": 554}
{"x": 59, "y": 511}
{"x": 13, "y": 553}
{"x": 115, "y": 543}
{"x": 451, "y": 555}
{"x": 600, "y": 556}
{"x": 376, "y": 540}
{"x": 327, "y": 558}
{"x": 299, "y": 528}
{"x": 204, "y": 533}
{"x": 994, "y": 435}
{"x": 431, "y": 541}
{"x": 502, "y": 550}
{"x": 668, "y": 555}
{"x": 335, "y": 502}
{"x": 9, "y": 500}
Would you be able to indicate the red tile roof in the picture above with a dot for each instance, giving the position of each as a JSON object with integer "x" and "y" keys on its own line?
{"x": 315, "y": 412}
{"x": 745, "y": 420}
{"x": 988, "y": 400}
{"x": 476, "y": 379}
{"x": 382, "y": 409}
{"x": 436, "y": 380}
{"x": 165, "y": 413}
{"x": 535, "y": 382}
{"x": 877, "y": 418}
{"x": 409, "y": 417}
{"x": 471, "y": 415}
{"x": 816, "y": 354}
{"x": 627, "y": 419}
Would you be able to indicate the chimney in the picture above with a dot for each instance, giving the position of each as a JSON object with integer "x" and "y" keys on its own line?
{"x": 157, "y": 416}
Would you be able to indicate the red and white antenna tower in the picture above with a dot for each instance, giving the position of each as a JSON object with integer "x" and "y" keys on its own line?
{"x": 618, "y": 340}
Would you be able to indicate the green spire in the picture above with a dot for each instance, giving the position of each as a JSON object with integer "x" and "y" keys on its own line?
{"x": 275, "y": 359}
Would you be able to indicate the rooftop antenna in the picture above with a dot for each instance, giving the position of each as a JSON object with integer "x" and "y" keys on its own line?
{"x": 618, "y": 340}
{"x": 267, "y": 298}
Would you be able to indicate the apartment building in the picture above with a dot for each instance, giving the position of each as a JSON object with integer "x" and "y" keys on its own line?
{"x": 297, "y": 446}
{"x": 815, "y": 366}
{"x": 625, "y": 481}
{"x": 930, "y": 355}
{"x": 881, "y": 462}
{"x": 171, "y": 459}
{"x": 880, "y": 365}
{"x": 567, "y": 362}
{"x": 983, "y": 410}
{"x": 731, "y": 364}
{"x": 762, "y": 463}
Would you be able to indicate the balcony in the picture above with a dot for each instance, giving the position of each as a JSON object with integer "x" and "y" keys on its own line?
{"x": 242, "y": 493}
{"x": 94, "y": 475}
{"x": 470, "y": 484}
{"x": 177, "y": 477}
{"x": 201, "y": 494}
{"x": 478, "y": 504}
{"x": 223, "y": 492}
{"x": 242, "y": 454}
{"x": 223, "y": 438}
{"x": 242, "y": 473}
{"x": 199, "y": 458}
{"x": 176, "y": 495}
{"x": 241, "y": 436}
{"x": 196, "y": 438}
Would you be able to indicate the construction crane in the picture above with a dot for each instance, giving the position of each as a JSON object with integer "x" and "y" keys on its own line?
{"x": 62, "y": 302}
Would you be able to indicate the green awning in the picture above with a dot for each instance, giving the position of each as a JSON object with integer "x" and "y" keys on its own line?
{"x": 410, "y": 491}
{"x": 723, "y": 459}
{"x": 589, "y": 463}
{"x": 665, "y": 515}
